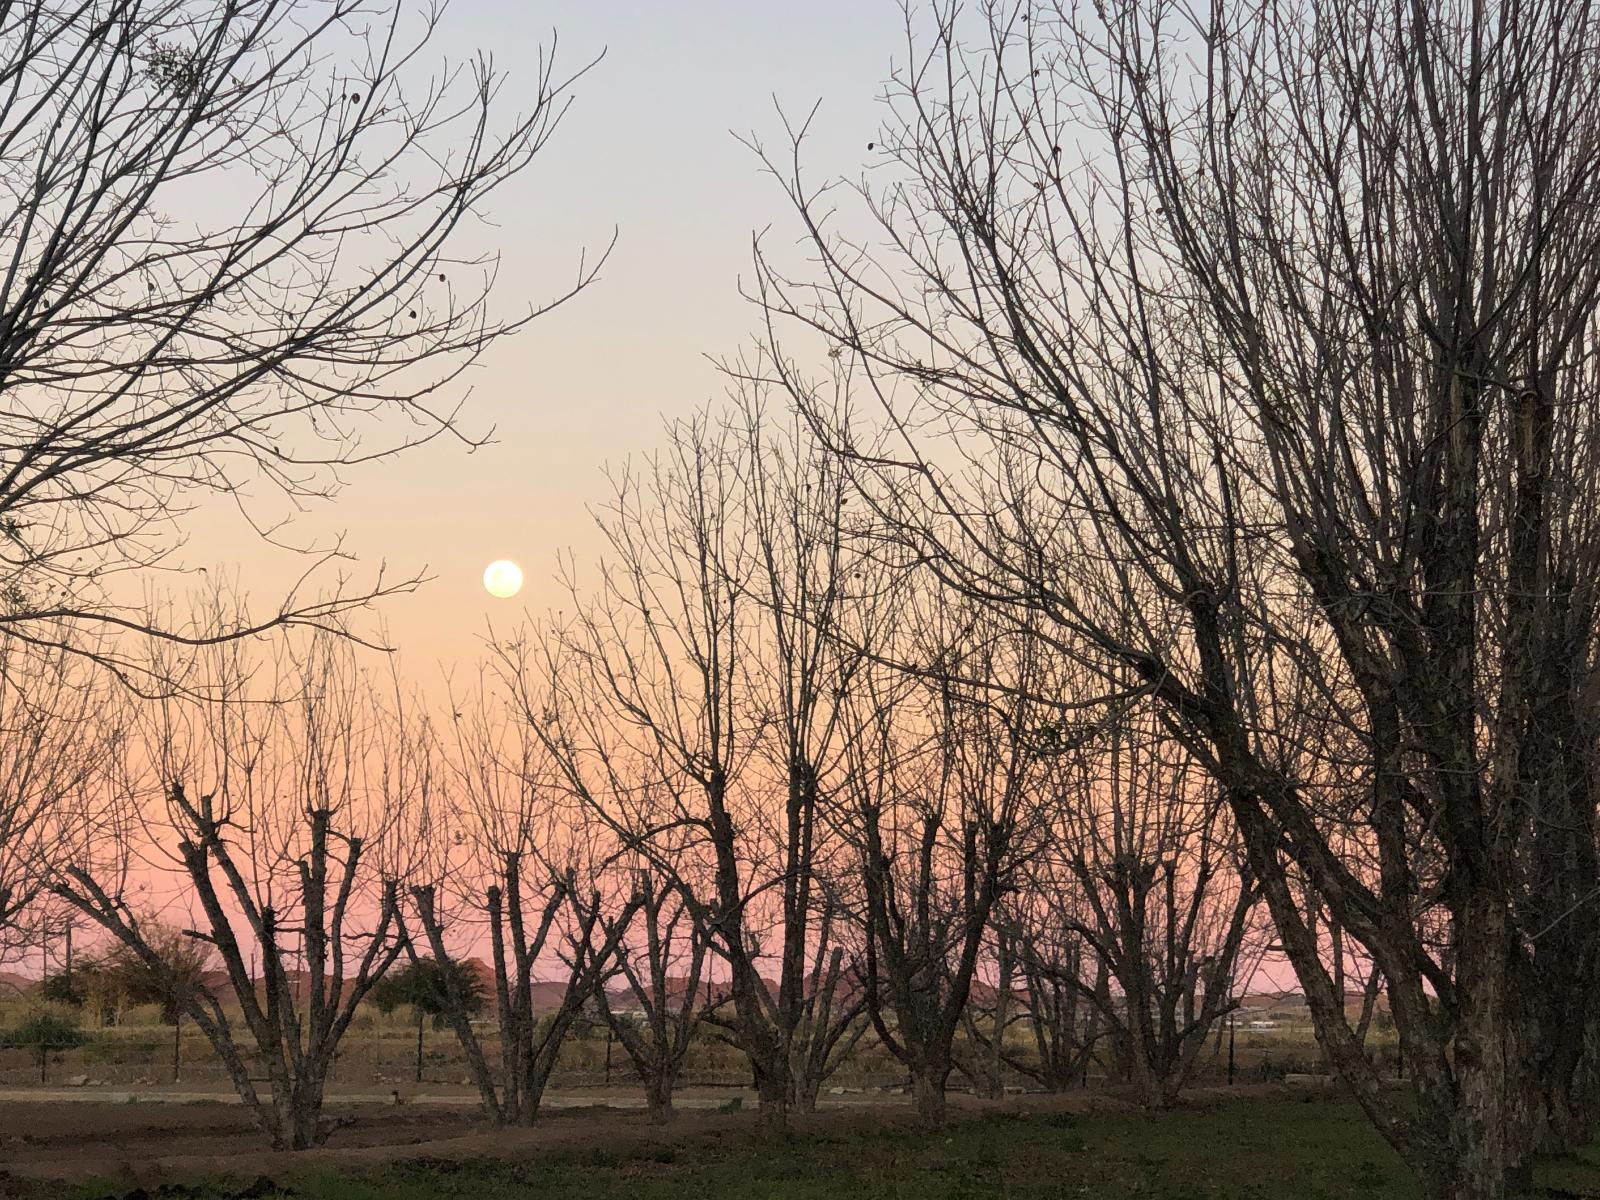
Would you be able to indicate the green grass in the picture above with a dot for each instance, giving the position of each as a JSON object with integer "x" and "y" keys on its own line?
{"x": 1256, "y": 1149}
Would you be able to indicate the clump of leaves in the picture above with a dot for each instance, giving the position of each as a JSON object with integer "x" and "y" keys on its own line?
{"x": 173, "y": 68}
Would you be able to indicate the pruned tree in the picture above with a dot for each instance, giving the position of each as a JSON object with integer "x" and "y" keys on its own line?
{"x": 238, "y": 256}
{"x": 702, "y": 670}
{"x": 529, "y": 878}
{"x": 281, "y": 804}
{"x": 1162, "y": 900}
{"x": 1057, "y": 977}
{"x": 944, "y": 811}
{"x": 661, "y": 960}
{"x": 587, "y": 951}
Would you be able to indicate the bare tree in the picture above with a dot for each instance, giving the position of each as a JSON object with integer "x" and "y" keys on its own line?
{"x": 796, "y": 498}
{"x": 529, "y": 874}
{"x": 1276, "y": 329}
{"x": 663, "y": 986}
{"x": 1057, "y": 976}
{"x": 274, "y": 802}
{"x": 944, "y": 811}
{"x": 1161, "y": 898}
{"x": 587, "y": 949}
{"x": 237, "y": 258}
{"x": 703, "y": 665}
{"x": 55, "y": 738}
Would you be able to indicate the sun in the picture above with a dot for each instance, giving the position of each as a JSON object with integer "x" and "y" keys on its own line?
{"x": 502, "y": 578}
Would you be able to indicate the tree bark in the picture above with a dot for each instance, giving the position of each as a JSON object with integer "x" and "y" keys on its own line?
{"x": 928, "y": 1087}
{"x": 658, "y": 1100}
{"x": 772, "y": 1101}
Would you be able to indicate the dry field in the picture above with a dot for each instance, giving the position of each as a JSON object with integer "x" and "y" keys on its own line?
{"x": 1246, "y": 1143}
{"x": 132, "y": 1127}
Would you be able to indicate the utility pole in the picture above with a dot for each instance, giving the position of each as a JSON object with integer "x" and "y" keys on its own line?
{"x": 1230, "y": 1047}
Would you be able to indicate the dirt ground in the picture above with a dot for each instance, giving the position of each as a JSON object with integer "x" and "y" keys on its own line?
{"x": 163, "y": 1139}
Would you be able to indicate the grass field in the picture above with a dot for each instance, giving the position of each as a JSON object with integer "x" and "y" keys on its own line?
{"x": 1311, "y": 1148}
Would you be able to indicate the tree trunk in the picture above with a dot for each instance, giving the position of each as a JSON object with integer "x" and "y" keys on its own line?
{"x": 658, "y": 1099}
{"x": 529, "y": 1094}
{"x": 1474, "y": 1107}
{"x": 305, "y": 1110}
{"x": 806, "y": 1089}
{"x": 928, "y": 1092}
{"x": 1156, "y": 1092}
{"x": 772, "y": 1103}
{"x": 1483, "y": 1117}
{"x": 1556, "y": 1059}
{"x": 1478, "y": 1167}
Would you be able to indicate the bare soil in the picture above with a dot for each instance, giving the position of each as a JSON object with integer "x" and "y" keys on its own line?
{"x": 160, "y": 1140}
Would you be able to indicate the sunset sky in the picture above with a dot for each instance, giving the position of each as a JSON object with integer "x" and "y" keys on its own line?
{"x": 648, "y": 149}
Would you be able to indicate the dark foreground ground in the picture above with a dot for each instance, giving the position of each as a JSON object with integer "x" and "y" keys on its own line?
{"x": 1266, "y": 1145}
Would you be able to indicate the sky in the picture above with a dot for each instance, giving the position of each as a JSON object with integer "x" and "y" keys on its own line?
{"x": 648, "y": 152}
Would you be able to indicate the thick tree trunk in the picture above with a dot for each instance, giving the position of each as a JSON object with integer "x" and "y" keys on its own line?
{"x": 530, "y": 1092}
{"x": 928, "y": 1093}
{"x": 658, "y": 1099}
{"x": 772, "y": 1099}
{"x": 1557, "y": 1060}
{"x": 1473, "y": 1101}
{"x": 806, "y": 1090}
{"x": 1486, "y": 1106}
{"x": 305, "y": 1116}
{"x": 1572, "y": 1105}
{"x": 1156, "y": 1091}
